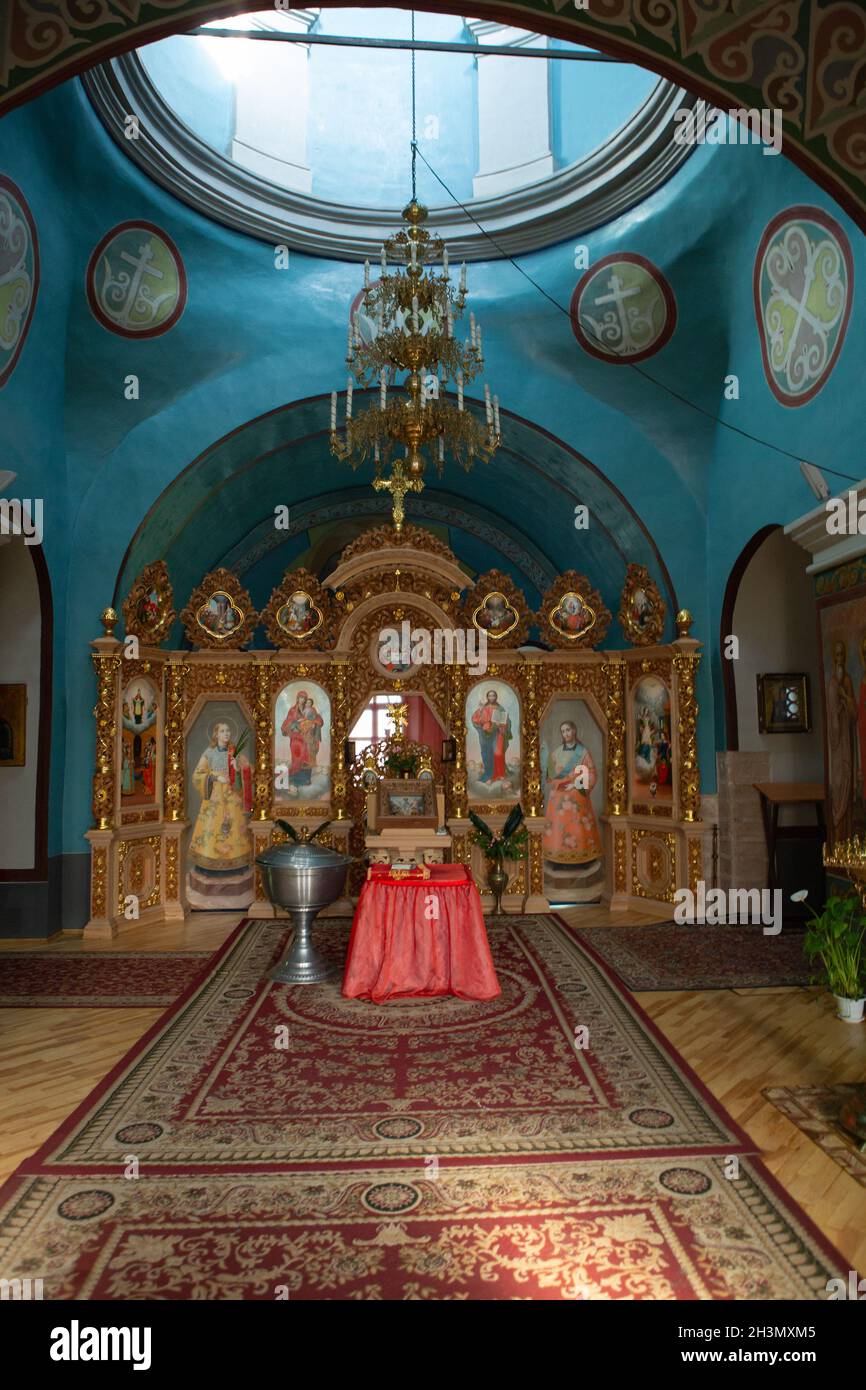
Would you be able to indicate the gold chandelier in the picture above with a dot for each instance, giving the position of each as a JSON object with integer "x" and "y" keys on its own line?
{"x": 414, "y": 307}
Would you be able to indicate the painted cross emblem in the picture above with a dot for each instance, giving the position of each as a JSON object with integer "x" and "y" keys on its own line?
{"x": 136, "y": 283}
{"x": 623, "y": 309}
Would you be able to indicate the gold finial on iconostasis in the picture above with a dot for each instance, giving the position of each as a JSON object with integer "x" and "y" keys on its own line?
{"x": 398, "y": 714}
{"x": 684, "y": 621}
{"x": 108, "y": 618}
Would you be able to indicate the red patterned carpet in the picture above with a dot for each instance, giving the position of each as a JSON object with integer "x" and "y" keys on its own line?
{"x": 293, "y": 1143}
{"x": 671, "y": 956}
{"x": 90, "y": 980}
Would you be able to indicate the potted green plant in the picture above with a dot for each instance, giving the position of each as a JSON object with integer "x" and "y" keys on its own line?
{"x": 497, "y": 846}
{"x": 835, "y": 937}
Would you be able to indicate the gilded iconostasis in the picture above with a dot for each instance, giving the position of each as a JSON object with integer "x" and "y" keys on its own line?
{"x": 373, "y": 675}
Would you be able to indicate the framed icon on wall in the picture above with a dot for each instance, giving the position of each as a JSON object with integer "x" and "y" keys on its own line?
{"x": 784, "y": 706}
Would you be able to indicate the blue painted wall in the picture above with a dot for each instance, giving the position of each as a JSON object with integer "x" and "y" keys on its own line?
{"x": 254, "y": 338}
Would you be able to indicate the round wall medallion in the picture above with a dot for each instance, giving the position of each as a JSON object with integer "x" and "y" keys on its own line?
{"x": 623, "y": 309}
{"x": 136, "y": 283}
{"x": 803, "y": 286}
{"x": 19, "y": 274}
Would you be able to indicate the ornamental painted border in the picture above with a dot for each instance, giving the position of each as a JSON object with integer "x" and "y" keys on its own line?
{"x": 15, "y": 192}
{"x": 810, "y": 57}
{"x": 659, "y": 278}
{"x": 806, "y": 213}
{"x": 182, "y": 283}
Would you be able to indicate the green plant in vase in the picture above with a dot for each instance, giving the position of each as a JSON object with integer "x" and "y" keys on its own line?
{"x": 497, "y": 846}
{"x": 836, "y": 937}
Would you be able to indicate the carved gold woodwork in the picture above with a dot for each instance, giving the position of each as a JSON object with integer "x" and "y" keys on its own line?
{"x": 620, "y": 882}
{"x": 614, "y": 671}
{"x": 263, "y": 788}
{"x": 175, "y": 758}
{"x": 206, "y": 626}
{"x": 131, "y": 877}
{"x": 457, "y": 777}
{"x": 553, "y": 628}
{"x": 148, "y": 610}
{"x": 695, "y": 866}
{"x": 98, "y": 881}
{"x": 517, "y": 884}
{"x": 172, "y": 890}
{"x": 661, "y": 666}
{"x": 536, "y": 863}
{"x": 339, "y": 734}
{"x": 384, "y": 537}
{"x": 642, "y": 629}
{"x": 653, "y": 864}
{"x": 107, "y": 667}
{"x": 318, "y": 630}
{"x": 530, "y": 742}
{"x": 382, "y": 580}
{"x": 517, "y": 616}
{"x": 461, "y": 849}
{"x": 685, "y": 669}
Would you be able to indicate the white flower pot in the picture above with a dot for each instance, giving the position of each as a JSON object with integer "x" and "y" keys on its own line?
{"x": 849, "y": 1010}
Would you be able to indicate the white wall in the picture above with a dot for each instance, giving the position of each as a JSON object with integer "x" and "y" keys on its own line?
{"x": 775, "y": 621}
{"x": 20, "y": 632}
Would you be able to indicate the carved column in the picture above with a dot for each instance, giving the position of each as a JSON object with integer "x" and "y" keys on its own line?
{"x": 617, "y": 791}
{"x": 685, "y": 670}
{"x": 264, "y": 776}
{"x": 531, "y": 774}
{"x": 175, "y": 715}
{"x": 339, "y": 734}
{"x": 106, "y": 661}
{"x": 457, "y": 712}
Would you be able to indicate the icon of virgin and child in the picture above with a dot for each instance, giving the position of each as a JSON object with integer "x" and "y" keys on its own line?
{"x": 302, "y": 727}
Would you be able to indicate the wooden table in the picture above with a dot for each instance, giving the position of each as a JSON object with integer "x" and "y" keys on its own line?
{"x": 776, "y": 794}
{"x": 415, "y": 937}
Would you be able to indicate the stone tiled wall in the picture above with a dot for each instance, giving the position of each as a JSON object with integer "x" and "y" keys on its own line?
{"x": 742, "y": 846}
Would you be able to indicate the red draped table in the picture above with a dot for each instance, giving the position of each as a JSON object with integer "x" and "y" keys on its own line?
{"x": 416, "y": 937}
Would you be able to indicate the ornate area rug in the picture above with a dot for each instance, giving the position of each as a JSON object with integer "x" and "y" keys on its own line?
{"x": 96, "y": 980}
{"x": 670, "y": 956}
{"x": 607, "y": 1229}
{"x": 267, "y": 1141}
{"x": 814, "y": 1110}
{"x": 243, "y": 1071}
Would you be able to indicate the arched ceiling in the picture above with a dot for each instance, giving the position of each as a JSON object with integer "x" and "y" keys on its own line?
{"x": 221, "y": 511}
{"x": 804, "y": 57}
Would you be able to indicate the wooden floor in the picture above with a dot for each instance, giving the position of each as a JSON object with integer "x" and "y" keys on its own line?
{"x": 738, "y": 1043}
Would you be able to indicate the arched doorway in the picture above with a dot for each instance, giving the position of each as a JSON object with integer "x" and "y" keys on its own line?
{"x": 25, "y": 705}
